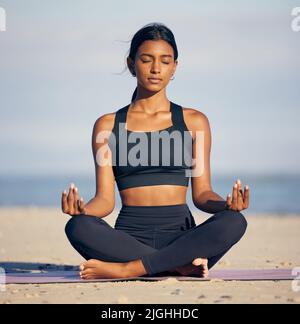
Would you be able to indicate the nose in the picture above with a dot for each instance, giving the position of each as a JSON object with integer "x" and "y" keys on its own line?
{"x": 155, "y": 67}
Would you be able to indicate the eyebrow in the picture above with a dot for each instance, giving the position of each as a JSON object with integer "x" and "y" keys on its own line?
{"x": 165, "y": 55}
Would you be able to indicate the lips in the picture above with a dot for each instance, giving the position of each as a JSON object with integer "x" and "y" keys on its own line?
{"x": 154, "y": 80}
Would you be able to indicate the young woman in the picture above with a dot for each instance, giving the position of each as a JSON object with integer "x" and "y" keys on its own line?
{"x": 155, "y": 232}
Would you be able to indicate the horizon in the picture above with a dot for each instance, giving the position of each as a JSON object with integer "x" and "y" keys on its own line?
{"x": 61, "y": 67}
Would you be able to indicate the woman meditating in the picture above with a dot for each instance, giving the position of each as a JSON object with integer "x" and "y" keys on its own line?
{"x": 151, "y": 147}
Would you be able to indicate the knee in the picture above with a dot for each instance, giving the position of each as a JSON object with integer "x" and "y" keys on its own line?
{"x": 75, "y": 227}
{"x": 234, "y": 225}
{"x": 237, "y": 220}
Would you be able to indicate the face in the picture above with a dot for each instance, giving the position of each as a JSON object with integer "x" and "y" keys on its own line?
{"x": 154, "y": 64}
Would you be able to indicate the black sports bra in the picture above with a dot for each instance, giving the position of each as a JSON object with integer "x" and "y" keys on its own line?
{"x": 162, "y": 157}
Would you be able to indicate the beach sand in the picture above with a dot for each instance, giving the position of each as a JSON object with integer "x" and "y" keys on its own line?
{"x": 32, "y": 236}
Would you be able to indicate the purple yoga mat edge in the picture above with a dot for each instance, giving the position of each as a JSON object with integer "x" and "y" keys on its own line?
{"x": 215, "y": 275}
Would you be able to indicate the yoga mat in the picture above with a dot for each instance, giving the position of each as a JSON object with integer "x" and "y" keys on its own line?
{"x": 73, "y": 276}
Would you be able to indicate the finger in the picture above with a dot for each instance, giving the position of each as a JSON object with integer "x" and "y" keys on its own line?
{"x": 240, "y": 199}
{"x": 228, "y": 201}
{"x": 75, "y": 193}
{"x": 81, "y": 205}
{"x": 64, "y": 202}
{"x": 246, "y": 197}
{"x": 71, "y": 200}
{"x": 240, "y": 189}
{"x": 235, "y": 196}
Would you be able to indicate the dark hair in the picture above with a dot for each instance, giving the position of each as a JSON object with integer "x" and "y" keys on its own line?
{"x": 152, "y": 31}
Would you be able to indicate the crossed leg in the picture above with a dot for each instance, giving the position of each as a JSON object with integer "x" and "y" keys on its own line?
{"x": 110, "y": 251}
{"x": 115, "y": 253}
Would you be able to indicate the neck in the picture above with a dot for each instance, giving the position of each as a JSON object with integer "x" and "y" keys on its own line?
{"x": 149, "y": 102}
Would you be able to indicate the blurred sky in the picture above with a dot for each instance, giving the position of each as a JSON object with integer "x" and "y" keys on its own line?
{"x": 61, "y": 65}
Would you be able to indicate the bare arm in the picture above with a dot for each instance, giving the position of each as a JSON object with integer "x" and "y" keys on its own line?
{"x": 97, "y": 207}
{"x": 210, "y": 202}
{"x": 204, "y": 198}
{"x": 104, "y": 201}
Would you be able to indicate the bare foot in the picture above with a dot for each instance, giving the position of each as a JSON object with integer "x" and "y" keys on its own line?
{"x": 198, "y": 268}
{"x": 95, "y": 269}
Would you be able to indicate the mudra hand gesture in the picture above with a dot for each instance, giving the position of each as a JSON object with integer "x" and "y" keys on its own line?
{"x": 72, "y": 205}
{"x": 240, "y": 199}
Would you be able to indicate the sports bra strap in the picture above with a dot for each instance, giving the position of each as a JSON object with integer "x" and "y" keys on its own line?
{"x": 176, "y": 114}
{"x": 122, "y": 114}
{"x": 120, "y": 117}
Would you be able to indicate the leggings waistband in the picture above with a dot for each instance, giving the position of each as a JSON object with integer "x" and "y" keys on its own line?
{"x": 154, "y": 217}
{"x": 155, "y": 206}
{"x": 157, "y": 210}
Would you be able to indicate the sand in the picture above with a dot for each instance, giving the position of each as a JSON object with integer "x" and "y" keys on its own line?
{"x": 31, "y": 237}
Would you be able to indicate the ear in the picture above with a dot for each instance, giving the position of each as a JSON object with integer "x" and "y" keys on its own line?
{"x": 130, "y": 65}
{"x": 175, "y": 66}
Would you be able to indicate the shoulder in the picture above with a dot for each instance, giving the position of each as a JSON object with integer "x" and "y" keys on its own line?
{"x": 105, "y": 122}
{"x": 195, "y": 119}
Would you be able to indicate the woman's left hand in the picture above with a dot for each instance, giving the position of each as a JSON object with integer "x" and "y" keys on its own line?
{"x": 240, "y": 199}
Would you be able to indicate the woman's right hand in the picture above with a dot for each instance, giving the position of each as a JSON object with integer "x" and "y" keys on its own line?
{"x": 72, "y": 205}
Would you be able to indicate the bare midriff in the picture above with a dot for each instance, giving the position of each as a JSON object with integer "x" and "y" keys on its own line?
{"x": 154, "y": 195}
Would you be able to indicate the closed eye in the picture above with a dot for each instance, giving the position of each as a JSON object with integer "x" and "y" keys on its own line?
{"x": 150, "y": 61}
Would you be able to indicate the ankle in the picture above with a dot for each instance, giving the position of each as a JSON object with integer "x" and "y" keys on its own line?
{"x": 134, "y": 268}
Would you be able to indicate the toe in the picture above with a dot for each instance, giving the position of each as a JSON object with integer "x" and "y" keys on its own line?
{"x": 197, "y": 262}
{"x": 82, "y": 265}
{"x": 85, "y": 272}
{"x": 86, "y": 275}
{"x": 89, "y": 276}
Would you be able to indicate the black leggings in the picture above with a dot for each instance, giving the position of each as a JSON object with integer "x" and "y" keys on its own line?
{"x": 163, "y": 237}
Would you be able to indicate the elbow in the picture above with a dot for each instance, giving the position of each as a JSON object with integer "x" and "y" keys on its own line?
{"x": 198, "y": 205}
{"x": 200, "y": 198}
{"x": 109, "y": 204}
{"x": 202, "y": 202}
